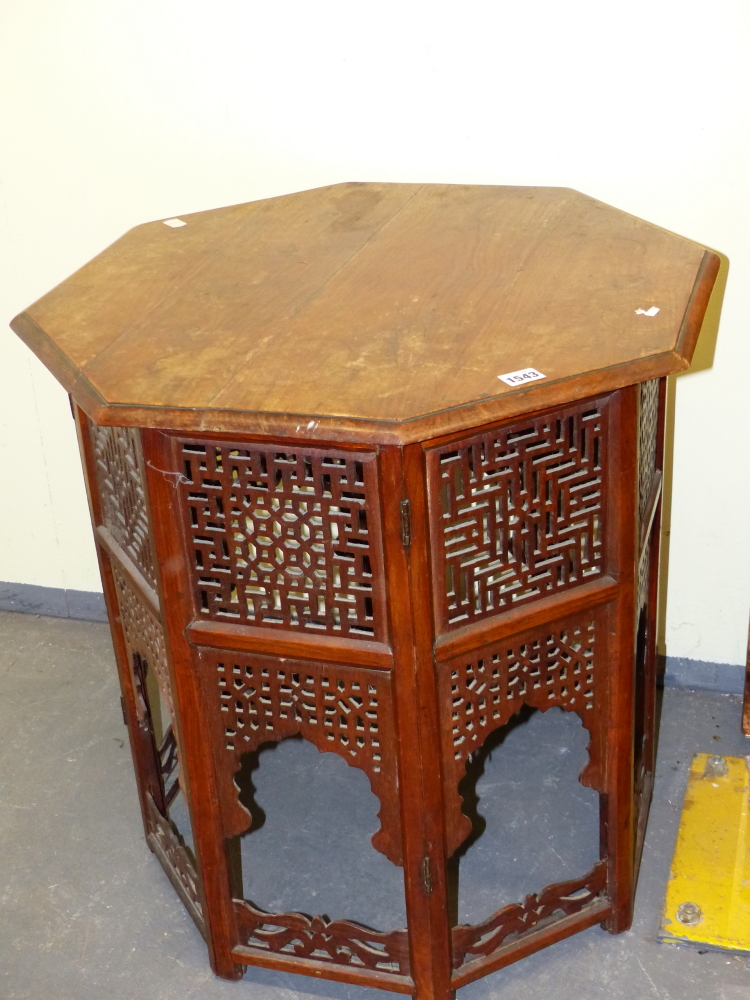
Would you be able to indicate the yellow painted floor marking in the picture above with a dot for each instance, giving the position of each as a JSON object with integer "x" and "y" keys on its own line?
{"x": 708, "y": 895}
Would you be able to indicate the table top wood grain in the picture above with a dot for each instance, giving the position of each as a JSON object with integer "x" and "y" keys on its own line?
{"x": 371, "y": 312}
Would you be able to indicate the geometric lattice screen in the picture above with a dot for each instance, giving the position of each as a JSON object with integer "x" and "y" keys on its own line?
{"x": 117, "y": 454}
{"x": 517, "y": 513}
{"x": 648, "y": 429}
{"x": 284, "y": 539}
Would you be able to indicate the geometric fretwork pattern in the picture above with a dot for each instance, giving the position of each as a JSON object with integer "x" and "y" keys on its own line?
{"x": 144, "y": 636}
{"x": 146, "y": 653}
{"x": 117, "y": 456}
{"x": 553, "y": 665}
{"x": 644, "y": 574}
{"x": 344, "y": 709}
{"x": 476, "y": 941}
{"x": 554, "y": 669}
{"x": 517, "y": 513}
{"x": 286, "y": 539}
{"x": 648, "y": 423}
{"x": 341, "y": 942}
{"x": 178, "y": 863}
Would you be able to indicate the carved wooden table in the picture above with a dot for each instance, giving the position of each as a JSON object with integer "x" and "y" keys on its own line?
{"x": 320, "y": 511}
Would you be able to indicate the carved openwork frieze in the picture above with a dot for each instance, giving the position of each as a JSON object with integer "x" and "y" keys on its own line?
{"x": 475, "y": 941}
{"x": 552, "y": 665}
{"x": 117, "y": 454}
{"x": 284, "y": 538}
{"x": 518, "y": 512}
{"x": 341, "y": 942}
{"x": 169, "y": 847}
{"x": 342, "y": 709}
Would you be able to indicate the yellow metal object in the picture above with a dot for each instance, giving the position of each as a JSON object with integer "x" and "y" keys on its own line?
{"x": 708, "y": 896}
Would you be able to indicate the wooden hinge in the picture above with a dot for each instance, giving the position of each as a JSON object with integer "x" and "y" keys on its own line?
{"x": 426, "y": 875}
{"x": 406, "y": 523}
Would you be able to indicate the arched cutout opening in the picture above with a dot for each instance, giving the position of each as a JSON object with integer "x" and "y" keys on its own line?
{"x": 309, "y": 846}
{"x": 534, "y": 823}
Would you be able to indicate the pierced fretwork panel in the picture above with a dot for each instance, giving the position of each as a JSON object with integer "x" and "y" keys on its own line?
{"x": 340, "y": 942}
{"x": 553, "y": 665}
{"x": 343, "y": 709}
{"x": 169, "y": 766}
{"x": 144, "y": 635}
{"x": 144, "y": 641}
{"x": 648, "y": 427}
{"x": 169, "y": 847}
{"x": 285, "y": 538}
{"x": 117, "y": 452}
{"x": 644, "y": 575}
{"x": 517, "y": 513}
{"x": 561, "y": 899}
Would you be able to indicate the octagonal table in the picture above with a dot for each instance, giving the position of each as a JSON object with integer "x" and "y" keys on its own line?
{"x": 377, "y": 465}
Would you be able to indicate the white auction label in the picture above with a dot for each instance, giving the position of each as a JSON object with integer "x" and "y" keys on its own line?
{"x": 521, "y": 376}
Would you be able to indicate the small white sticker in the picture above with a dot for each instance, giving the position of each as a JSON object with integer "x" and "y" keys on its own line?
{"x": 521, "y": 376}
{"x": 647, "y": 312}
{"x": 174, "y": 223}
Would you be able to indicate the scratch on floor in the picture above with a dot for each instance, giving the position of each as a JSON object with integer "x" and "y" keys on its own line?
{"x": 653, "y": 984}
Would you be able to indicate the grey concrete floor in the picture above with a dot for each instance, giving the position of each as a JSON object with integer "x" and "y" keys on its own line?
{"x": 86, "y": 912}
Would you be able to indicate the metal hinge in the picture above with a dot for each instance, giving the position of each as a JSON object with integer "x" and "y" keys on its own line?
{"x": 406, "y": 523}
{"x": 426, "y": 875}
{"x": 124, "y": 714}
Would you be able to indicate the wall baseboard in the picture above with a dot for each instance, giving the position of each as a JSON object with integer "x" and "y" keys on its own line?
{"x": 55, "y": 602}
{"x": 680, "y": 672}
{"x": 699, "y": 675}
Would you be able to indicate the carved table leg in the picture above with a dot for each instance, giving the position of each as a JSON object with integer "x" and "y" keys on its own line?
{"x": 417, "y": 724}
{"x": 193, "y": 734}
{"x": 621, "y": 820}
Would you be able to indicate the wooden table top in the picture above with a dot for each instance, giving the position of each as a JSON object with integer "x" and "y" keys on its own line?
{"x": 371, "y": 312}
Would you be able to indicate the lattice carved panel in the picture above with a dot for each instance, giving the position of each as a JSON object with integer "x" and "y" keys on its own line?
{"x": 554, "y": 665}
{"x": 648, "y": 428}
{"x": 117, "y": 453}
{"x": 285, "y": 539}
{"x": 342, "y": 709}
{"x": 146, "y": 652}
{"x": 169, "y": 766}
{"x": 144, "y": 636}
{"x": 340, "y": 942}
{"x": 177, "y": 862}
{"x": 476, "y": 941}
{"x": 644, "y": 574}
{"x": 517, "y": 512}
